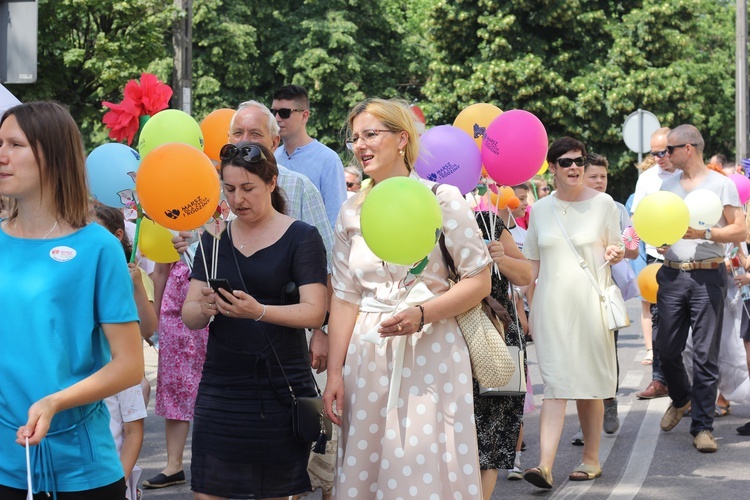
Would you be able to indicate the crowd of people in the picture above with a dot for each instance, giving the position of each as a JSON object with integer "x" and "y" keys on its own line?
{"x": 296, "y": 305}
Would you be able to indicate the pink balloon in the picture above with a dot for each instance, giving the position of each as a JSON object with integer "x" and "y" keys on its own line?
{"x": 743, "y": 186}
{"x": 446, "y": 156}
{"x": 514, "y": 147}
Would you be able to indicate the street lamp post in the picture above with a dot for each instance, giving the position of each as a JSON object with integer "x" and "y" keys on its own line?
{"x": 183, "y": 56}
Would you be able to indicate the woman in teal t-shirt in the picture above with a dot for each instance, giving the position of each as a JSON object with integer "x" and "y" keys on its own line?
{"x": 69, "y": 325}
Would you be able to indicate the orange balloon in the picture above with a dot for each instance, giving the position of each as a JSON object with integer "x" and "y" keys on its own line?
{"x": 647, "y": 282}
{"x": 503, "y": 196}
{"x": 178, "y": 186}
{"x": 215, "y": 128}
{"x": 475, "y": 119}
{"x": 514, "y": 203}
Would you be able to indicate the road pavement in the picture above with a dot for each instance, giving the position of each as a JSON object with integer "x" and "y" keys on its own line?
{"x": 639, "y": 461}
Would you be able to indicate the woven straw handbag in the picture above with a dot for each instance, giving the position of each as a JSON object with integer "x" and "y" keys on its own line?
{"x": 491, "y": 362}
{"x": 483, "y": 329}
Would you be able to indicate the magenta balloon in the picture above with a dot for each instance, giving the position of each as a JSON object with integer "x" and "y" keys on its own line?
{"x": 448, "y": 155}
{"x": 514, "y": 147}
{"x": 743, "y": 186}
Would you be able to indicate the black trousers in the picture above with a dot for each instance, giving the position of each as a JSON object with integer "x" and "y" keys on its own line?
{"x": 114, "y": 491}
{"x": 691, "y": 299}
{"x": 656, "y": 362}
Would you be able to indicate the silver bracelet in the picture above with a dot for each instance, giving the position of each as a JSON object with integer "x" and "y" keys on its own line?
{"x": 262, "y": 314}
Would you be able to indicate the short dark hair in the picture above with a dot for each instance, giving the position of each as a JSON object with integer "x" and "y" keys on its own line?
{"x": 113, "y": 219}
{"x": 562, "y": 146}
{"x": 295, "y": 93}
{"x": 265, "y": 169}
{"x": 596, "y": 160}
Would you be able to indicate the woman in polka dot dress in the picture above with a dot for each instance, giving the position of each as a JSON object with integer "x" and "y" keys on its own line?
{"x": 405, "y": 407}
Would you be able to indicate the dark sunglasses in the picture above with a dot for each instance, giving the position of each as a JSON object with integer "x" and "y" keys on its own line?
{"x": 671, "y": 149}
{"x": 251, "y": 154}
{"x": 284, "y": 112}
{"x": 352, "y": 184}
{"x": 658, "y": 154}
{"x": 568, "y": 162}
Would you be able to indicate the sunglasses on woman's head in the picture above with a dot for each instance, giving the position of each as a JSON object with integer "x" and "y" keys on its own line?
{"x": 568, "y": 162}
{"x": 251, "y": 154}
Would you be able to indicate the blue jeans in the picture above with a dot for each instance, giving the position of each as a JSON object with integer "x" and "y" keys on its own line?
{"x": 691, "y": 299}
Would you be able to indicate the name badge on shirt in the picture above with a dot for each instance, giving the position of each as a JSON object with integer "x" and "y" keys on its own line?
{"x": 62, "y": 253}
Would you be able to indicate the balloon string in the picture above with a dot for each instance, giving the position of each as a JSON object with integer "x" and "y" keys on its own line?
{"x": 203, "y": 257}
{"x": 137, "y": 236}
{"x": 490, "y": 236}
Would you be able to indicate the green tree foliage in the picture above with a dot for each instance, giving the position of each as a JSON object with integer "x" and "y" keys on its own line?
{"x": 89, "y": 49}
{"x": 341, "y": 51}
{"x": 582, "y": 66}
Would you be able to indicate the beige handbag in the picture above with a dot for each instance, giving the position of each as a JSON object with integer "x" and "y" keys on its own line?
{"x": 483, "y": 329}
{"x": 491, "y": 362}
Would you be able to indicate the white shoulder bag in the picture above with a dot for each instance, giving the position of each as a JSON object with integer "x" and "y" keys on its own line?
{"x": 611, "y": 299}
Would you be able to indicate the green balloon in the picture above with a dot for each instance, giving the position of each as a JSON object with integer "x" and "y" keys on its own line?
{"x": 170, "y": 125}
{"x": 401, "y": 220}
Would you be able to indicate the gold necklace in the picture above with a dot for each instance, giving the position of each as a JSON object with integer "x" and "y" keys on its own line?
{"x": 252, "y": 240}
{"x": 15, "y": 231}
{"x": 564, "y": 207}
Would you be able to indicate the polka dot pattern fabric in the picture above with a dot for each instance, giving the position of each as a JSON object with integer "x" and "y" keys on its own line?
{"x": 426, "y": 447}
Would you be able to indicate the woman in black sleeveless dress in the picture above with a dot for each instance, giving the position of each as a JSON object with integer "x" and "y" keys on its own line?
{"x": 243, "y": 444}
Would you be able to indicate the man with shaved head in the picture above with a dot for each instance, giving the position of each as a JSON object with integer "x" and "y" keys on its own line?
{"x": 692, "y": 289}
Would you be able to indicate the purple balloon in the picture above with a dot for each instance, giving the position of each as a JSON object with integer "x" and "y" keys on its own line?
{"x": 448, "y": 155}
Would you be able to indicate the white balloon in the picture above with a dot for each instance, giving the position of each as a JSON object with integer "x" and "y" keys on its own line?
{"x": 705, "y": 208}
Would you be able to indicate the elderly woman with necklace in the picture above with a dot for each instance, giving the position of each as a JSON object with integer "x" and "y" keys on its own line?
{"x": 574, "y": 347}
{"x": 243, "y": 443}
{"x": 424, "y": 443}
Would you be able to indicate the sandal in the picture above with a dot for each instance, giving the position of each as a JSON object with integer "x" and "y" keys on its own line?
{"x": 649, "y": 358}
{"x": 541, "y": 477}
{"x": 722, "y": 410}
{"x": 585, "y": 472}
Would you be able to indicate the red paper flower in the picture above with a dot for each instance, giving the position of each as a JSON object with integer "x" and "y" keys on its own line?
{"x": 122, "y": 120}
{"x": 152, "y": 95}
{"x": 144, "y": 99}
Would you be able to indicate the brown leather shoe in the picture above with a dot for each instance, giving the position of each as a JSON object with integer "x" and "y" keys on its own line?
{"x": 654, "y": 390}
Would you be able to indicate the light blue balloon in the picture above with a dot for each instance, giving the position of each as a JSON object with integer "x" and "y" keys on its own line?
{"x": 111, "y": 170}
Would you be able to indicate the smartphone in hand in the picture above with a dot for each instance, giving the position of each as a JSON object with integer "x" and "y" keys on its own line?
{"x": 220, "y": 283}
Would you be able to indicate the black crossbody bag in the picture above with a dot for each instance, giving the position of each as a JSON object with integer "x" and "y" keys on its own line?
{"x": 309, "y": 422}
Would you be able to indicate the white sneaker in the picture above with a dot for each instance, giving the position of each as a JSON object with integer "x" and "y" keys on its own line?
{"x": 515, "y": 473}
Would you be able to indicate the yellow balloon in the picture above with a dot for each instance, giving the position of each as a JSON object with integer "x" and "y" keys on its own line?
{"x": 545, "y": 165}
{"x": 155, "y": 243}
{"x": 661, "y": 218}
{"x": 475, "y": 119}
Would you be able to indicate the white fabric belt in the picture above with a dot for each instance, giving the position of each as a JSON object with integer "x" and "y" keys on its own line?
{"x": 418, "y": 294}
